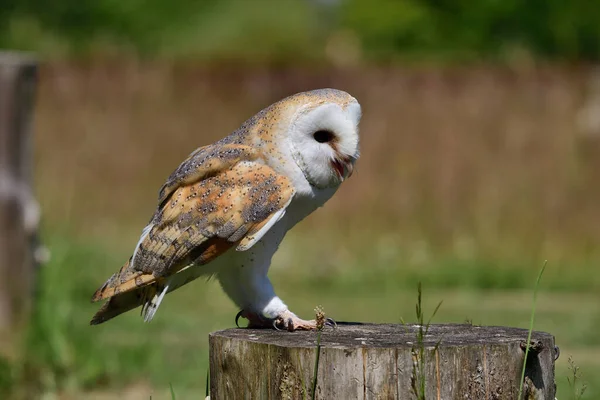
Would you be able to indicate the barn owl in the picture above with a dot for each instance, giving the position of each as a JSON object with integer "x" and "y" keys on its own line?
{"x": 224, "y": 211}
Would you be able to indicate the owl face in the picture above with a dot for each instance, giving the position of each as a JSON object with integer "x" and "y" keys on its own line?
{"x": 323, "y": 136}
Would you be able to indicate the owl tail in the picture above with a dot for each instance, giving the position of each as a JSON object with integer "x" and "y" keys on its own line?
{"x": 149, "y": 297}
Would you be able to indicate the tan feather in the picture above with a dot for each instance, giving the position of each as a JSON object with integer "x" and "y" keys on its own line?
{"x": 205, "y": 162}
{"x": 131, "y": 280}
{"x": 123, "y": 281}
{"x": 123, "y": 302}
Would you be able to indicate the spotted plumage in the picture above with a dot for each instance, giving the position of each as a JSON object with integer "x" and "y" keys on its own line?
{"x": 227, "y": 207}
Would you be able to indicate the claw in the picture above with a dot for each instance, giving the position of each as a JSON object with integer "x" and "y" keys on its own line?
{"x": 285, "y": 321}
{"x": 237, "y": 317}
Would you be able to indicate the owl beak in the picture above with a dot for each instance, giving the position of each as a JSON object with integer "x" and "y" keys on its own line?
{"x": 343, "y": 168}
{"x": 349, "y": 169}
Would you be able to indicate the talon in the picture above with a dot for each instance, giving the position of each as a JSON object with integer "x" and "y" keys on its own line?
{"x": 237, "y": 317}
{"x": 275, "y": 325}
{"x": 331, "y": 322}
{"x": 290, "y": 326}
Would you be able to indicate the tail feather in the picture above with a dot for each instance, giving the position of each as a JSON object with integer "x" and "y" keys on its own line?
{"x": 127, "y": 301}
{"x": 149, "y": 296}
{"x": 151, "y": 306}
{"x": 123, "y": 281}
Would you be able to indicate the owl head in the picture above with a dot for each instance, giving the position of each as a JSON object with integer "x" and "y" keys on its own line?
{"x": 317, "y": 130}
{"x": 322, "y": 135}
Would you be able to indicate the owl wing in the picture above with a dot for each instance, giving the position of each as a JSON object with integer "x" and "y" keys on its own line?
{"x": 205, "y": 162}
{"x": 198, "y": 220}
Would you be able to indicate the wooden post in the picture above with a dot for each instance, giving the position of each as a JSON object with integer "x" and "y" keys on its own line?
{"x": 19, "y": 212}
{"x": 369, "y": 361}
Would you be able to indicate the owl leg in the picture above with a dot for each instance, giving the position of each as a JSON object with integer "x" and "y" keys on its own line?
{"x": 253, "y": 292}
{"x": 274, "y": 313}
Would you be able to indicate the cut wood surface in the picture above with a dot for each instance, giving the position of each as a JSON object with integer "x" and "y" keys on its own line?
{"x": 381, "y": 361}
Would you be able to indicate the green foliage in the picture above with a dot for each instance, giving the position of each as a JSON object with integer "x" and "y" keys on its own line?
{"x": 266, "y": 30}
{"x": 253, "y": 31}
{"x": 389, "y": 26}
{"x": 135, "y": 23}
{"x": 208, "y": 29}
{"x": 484, "y": 28}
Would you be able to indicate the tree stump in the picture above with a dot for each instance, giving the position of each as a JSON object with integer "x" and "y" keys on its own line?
{"x": 382, "y": 361}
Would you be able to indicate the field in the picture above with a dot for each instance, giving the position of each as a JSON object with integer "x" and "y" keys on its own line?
{"x": 469, "y": 179}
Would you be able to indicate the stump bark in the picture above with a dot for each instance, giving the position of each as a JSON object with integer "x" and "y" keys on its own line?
{"x": 382, "y": 361}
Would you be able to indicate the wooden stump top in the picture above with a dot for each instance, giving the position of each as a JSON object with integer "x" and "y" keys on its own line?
{"x": 356, "y": 335}
{"x": 382, "y": 361}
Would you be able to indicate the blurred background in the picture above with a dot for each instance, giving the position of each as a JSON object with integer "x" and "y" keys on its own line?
{"x": 480, "y": 160}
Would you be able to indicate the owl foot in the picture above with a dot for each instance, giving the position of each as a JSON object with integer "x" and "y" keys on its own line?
{"x": 290, "y": 322}
{"x": 285, "y": 321}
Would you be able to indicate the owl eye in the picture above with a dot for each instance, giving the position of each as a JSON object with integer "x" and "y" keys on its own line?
{"x": 323, "y": 136}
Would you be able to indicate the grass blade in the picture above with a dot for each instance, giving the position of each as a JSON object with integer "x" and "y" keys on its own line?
{"x": 535, "y": 292}
{"x": 207, "y": 391}
{"x": 316, "y": 370}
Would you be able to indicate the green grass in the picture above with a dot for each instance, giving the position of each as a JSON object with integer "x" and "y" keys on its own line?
{"x": 66, "y": 355}
{"x": 313, "y": 392}
{"x": 173, "y": 397}
{"x": 535, "y": 293}
{"x": 576, "y": 386}
{"x": 418, "y": 383}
